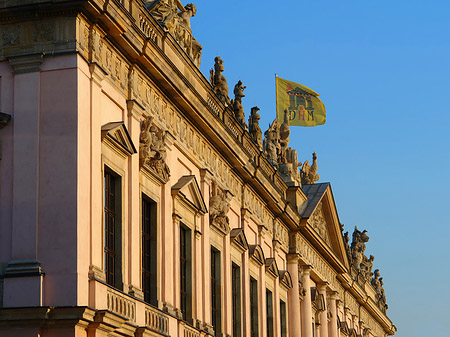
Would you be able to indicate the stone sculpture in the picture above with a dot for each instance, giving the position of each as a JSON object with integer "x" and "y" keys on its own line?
{"x": 358, "y": 247}
{"x": 284, "y": 138}
{"x": 178, "y": 23}
{"x": 218, "y": 209}
{"x": 366, "y": 267}
{"x": 271, "y": 144}
{"x": 254, "y": 129}
{"x": 377, "y": 284}
{"x": 237, "y": 103}
{"x": 219, "y": 82}
{"x": 152, "y": 149}
{"x": 309, "y": 173}
{"x": 347, "y": 247}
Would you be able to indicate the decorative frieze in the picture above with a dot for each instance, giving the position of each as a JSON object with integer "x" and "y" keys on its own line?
{"x": 351, "y": 303}
{"x": 311, "y": 257}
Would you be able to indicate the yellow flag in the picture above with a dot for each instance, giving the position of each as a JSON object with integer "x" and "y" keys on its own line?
{"x": 303, "y": 105}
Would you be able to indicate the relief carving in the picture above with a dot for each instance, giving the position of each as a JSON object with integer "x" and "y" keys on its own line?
{"x": 317, "y": 221}
{"x": 152, "y": 149}
{"x": 45, "y": 32}
{"x": 218, "y": 209}
{"x": 11, "y": 36}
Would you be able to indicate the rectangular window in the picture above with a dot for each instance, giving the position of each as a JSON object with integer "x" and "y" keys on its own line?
{"x": 253, "y": 307}
{"x": 112, "y": 229}
{"x": 283, "y": 318}
{"x": 236, "y": 299}
{"x": 215, "y": 291}
{"x": 149, "y": 261}
{"x": 269, "y": 312}
{"x": 186, "y": 273}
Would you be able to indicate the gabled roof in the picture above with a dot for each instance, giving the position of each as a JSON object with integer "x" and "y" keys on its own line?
{"x": 118, "y": 134}
{"x": 187, "y": 187}
{"x": 320, "y": 222}
{"x": 314, "y": 193}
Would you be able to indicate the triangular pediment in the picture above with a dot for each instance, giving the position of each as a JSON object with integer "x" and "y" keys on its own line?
{"x": 285, "y": 279}
{"x": 237, "y": 237}
{"x": 256, "y": 253}
{"x": 187, "y": 188}
{"x": 322, "y": 221}
{"x": 117, "y": 133}
{"x": 271, "y": 267}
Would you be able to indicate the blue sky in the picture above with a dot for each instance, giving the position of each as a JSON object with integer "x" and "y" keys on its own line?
{"x": 382, "y": 69}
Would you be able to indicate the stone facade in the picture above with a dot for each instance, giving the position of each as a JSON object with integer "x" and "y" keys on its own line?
{"x": 135, "y": 202}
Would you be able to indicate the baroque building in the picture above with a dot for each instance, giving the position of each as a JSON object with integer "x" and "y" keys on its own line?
{"x": 136, "y": 200}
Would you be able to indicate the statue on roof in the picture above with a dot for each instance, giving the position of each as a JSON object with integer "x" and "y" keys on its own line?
{"x": 377, "y": 284}
{"x": 237, "y": 103}
{"x": 347, "y": 247}
{"x": 358, "y": 247}
{"x": 366, "y": 267}
{"x": 271, "y": 143}
{"x": 219, "y": 82}
{"x": 309, "y": 173}
{"x": 254, "y": 129}
{"x": 175, "y": 18}
{"x": 284, "y": 138}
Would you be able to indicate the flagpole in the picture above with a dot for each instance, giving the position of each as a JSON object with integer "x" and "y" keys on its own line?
{"x": 276, "y": 95}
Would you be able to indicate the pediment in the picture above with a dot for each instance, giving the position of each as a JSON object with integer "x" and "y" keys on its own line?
{"x": 237, "y": 237}
{"x": 117, "y": 134}
{"x": 322, "y": 221}
{"x": 271, "y": 267}
{"x": 256, "y": 253}
{"x": 285, "y": 279}
{"x": 188, "y": 190}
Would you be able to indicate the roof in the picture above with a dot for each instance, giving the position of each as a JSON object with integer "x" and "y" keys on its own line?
{"x": 314, "y": 193}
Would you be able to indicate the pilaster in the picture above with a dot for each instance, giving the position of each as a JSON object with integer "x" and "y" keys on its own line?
{"x": 332, "y": 326}
{"x": 24, "y": 283}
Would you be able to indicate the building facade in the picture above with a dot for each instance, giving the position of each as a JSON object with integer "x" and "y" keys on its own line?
{"x": 136, "y": 200}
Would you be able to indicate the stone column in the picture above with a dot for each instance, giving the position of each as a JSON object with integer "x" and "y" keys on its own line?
{"x": 134, "y": 202}
{"x": 25, "y": 291}
{"x": 306, "y": 303}
{"x": 332, "y": 327}
{"x": 293, "y": 297}
{"x": 323, "y": 314}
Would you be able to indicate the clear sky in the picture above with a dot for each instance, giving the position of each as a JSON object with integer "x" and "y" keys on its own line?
{"x": 382, "y": 69}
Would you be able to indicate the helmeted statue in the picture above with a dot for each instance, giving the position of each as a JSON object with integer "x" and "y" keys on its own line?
{"x": 254, "y": 129}
{"x": 366, "y": 267}
{"x": 237, "y": 103}
{"x": 219, "y": 82}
